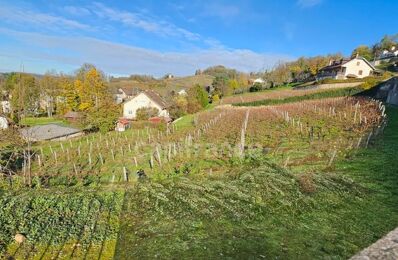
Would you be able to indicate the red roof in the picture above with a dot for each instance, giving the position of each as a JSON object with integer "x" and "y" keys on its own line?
{"x": 124, "y": 121}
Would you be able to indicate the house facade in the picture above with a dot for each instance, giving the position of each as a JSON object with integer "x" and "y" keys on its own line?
{"x": 357, "y": 67}
{"x": 144, "y": 99}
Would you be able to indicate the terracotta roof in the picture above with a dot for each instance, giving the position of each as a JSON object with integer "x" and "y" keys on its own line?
{"x": 335, "y": 65}
{"x": 130, "y": 91}
{"x": 156, "y": 98}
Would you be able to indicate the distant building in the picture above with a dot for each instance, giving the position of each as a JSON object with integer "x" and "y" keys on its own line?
{"x": 259, "y": 81}
{"x": 122, "y": 125}
{"x": 182, "y": 92}
{"x": 357, "y": 67}
{"x": 4, "y": 123}
{"x": 386, "y": 56}
{"x": 169, "y": 76}
{"x": 122, "y": 94}
{"x": 48, "y": 132}
{"x": 146, "y": 98}
{"x": 5, "y": 107}
{"x": 73, "y": 117}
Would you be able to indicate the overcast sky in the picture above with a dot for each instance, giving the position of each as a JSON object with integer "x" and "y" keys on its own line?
{"x": 178, "y": 37}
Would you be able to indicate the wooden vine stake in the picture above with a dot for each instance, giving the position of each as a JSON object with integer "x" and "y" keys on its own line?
{"x": 332, "y": 158}
{"x": 125, "y": 175}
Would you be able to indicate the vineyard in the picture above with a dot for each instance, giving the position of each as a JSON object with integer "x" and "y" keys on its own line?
{"x": 125, "y": 192}
{"x": 291, "y": 95}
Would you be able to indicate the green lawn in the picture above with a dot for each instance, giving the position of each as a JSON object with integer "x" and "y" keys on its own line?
{"x": 32, "y": 121}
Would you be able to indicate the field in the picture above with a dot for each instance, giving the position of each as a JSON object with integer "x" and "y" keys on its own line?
{"x": 231, "y": 182}
{"x": 284, "y": 93}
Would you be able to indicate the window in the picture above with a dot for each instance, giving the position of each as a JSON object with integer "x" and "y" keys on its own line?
{"x": 130, "y": 112}
{"x": 358, "y": 63}
{"x": 360, "y": 72}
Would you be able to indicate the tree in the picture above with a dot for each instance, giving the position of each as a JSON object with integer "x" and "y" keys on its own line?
{"x": 104, "y": 117}
{"x": 220, "y": 85}
{"x": 24, "y": 94}
{"x": 179, "y": 106}
{"x": 49, "y": 91}
{"x": 198, "y": 94}
{"x": 233, "y": 85}
{"x": 69, "y": 94}
{"x": 363, "y": 51}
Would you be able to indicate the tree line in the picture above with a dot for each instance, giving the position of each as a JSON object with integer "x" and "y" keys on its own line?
{"x": 86, "y": 92}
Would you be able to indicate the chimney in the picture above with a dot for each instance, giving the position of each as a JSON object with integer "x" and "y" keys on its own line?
{"x": 357, "y": 55}
{"x": 330, "y": 62}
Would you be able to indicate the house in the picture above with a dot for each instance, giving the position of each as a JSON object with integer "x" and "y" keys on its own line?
{"x": 125, "y": 93}
{"x": 386, "y": 56}
{"x": 122, "y": 125}
{"x": 168, "y": 76}
{"x": 357, "y": 67}
{"x": 259, "y": 81}
{"x": 182, "y": 92}
{"x": 4, "y": 123}
{"x": 5, "y": 107}
{"x": 73, "y": 117}
{"x": 146, "y": 98}
{"x": 48, "y": 132}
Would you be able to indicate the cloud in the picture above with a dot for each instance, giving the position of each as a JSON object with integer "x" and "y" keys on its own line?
{"x": 143, "y": 22}
{"x": 15, "y": 15}
{"x": 308, "y": 3}
{"x": 122, "y": 59}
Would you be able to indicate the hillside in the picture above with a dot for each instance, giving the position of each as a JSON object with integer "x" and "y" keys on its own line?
{"x": 164, "y": 86}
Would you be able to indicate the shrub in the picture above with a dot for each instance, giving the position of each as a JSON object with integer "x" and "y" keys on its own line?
{"x": 256, "y": 87}
{"x": 146, "y": 112}
{"x": 370, "y": 82}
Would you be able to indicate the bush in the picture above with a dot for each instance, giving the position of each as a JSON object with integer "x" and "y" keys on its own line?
{"x": 256, "y": 87}
{"x": 146, "y": 112}
{"x": 370, "y": 82}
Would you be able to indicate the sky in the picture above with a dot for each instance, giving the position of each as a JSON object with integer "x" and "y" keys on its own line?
{"x": 159, "y": 37}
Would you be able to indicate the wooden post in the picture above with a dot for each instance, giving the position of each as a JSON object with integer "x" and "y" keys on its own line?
{"x": 135, "y": 162}
{"x": 158, "y": 155}
{"x": 74, "y": 167}
{"x": 126, "y": 178}
{"x": 332, "y": 158}
{"x": 368, "y": 140}
{"x": 113, "y": 155}
{"x": 89, "y": 159}
{"x": 67, "y": 154}
{"x": 102, "y": 160}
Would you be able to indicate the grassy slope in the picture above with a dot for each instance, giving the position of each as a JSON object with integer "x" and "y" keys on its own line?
{"x": 165, "y": 86}
{"x": 262, "y": 211}
{"x": 32, "y": 121}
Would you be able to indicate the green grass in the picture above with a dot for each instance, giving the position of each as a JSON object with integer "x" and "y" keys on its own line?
{"x": 32, "y": 121}
{"x": 264, "y": 211}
